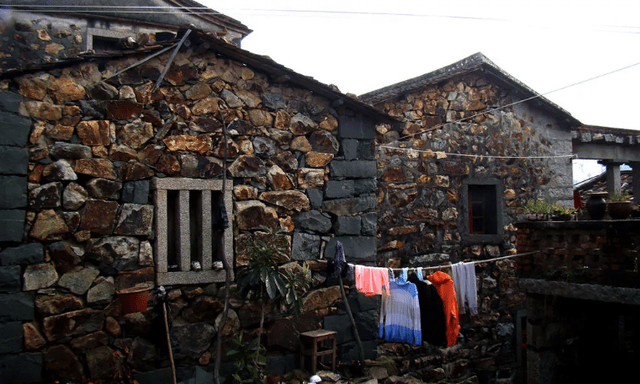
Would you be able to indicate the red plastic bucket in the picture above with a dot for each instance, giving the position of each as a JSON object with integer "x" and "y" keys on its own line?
{"x": 134, "y": 300}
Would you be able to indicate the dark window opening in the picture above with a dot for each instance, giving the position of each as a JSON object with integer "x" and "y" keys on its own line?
{"x": 196, "y": 227}
{"x": 103, "y": 44}
{"x": 483, "y": 209}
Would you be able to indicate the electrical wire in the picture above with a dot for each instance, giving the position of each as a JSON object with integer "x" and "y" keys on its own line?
{"x": 202, "y": 10}
{"x": 496, "y": 109}
{"x": 478, "y": 155}
{"x": 438, "y": 267}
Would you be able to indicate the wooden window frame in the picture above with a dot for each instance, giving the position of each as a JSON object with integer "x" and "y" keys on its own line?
{"x": 465, "y": 218}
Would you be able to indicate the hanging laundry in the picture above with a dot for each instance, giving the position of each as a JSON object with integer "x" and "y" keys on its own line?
{"x": 464, "y": 280}
{"x": 371, "y": 280}
{"x": 339, "y": 258}
{"x": 431, "y": 311}
{"x": 447, "y": 292}
{"x": 400, "y": 313}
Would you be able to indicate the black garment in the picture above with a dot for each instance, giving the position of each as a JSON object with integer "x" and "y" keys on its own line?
{"x": 432, "y": 321}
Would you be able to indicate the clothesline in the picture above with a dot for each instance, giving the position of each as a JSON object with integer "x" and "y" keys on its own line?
{"x": 422, "y": 309}
{"x": 449, "y": 265}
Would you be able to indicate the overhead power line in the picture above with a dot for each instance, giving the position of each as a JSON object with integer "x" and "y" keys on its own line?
{"x": 512, "y": 104}
{"x": 142, "y": 9}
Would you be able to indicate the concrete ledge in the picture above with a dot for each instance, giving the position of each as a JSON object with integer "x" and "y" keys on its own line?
{"x": 581, "y": 291}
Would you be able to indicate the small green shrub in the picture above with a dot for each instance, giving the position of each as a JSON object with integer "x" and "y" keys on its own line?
{"x": 248, "y": 360}
{"x": 538, "y": 206}
{"x": 622, "y": 196}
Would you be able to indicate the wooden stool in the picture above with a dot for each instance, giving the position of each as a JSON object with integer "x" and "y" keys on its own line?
{"x": 312, "y": 344}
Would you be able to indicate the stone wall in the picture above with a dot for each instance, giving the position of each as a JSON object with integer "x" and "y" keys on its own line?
{"x": 423, "y": 219}
{"x": 583, "y": 306}
{"x": 30, "y": 40}
{"x": 82, "y": 228}
{"x": 421, "y": 185}
{"x": 593, "y": 252}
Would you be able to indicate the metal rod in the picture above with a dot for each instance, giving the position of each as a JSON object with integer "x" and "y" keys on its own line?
{"x": 173, "y": 56}
{"x": 160, "y": 52}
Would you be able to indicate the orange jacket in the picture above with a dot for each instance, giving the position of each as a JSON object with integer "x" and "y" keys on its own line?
{"x": 447, "y": 292}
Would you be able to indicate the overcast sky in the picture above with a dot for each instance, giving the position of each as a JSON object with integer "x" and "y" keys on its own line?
{"x": 361, "y": 46}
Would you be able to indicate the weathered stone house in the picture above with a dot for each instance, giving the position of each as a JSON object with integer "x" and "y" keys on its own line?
{"x": 469, "y": 155}
{"x": 453, "y": 179}
{"x": 110, "y": 183}
{"x": 65, "y": 32}
{"x": 98, "y": 172}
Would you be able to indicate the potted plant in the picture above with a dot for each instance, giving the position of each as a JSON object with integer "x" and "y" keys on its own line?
{"x": 560, "y": 212}
{"x": 265, "y": 280}
{"x": 619, "y": 206}
{"x": 538, "y": 210}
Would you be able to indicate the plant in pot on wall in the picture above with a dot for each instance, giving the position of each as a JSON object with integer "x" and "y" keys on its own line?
{"x": 266, "y": 280}
{"x": 619, "y": 206}
{"x": 560, "y": 212}
{"x": 538, "y": 210}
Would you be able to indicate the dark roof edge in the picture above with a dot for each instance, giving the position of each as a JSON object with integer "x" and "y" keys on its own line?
{"x": 475, "y": 62}
{"x": 264, "y": 63}
{"x": 601, "y": 129}
{"x": 215, "y": 15}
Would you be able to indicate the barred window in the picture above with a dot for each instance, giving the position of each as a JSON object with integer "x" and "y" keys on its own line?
{"x": 191, "y": 239}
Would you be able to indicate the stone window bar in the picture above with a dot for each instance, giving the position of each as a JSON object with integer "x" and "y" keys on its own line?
{"x": 186, "y": 230}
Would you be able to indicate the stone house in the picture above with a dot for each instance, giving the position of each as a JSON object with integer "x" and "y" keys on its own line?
{"x": 455, "y": 176}
{"x": 453, "y": 179}
{"x": 109, "y": 182}
{"x": 43, "y": 33}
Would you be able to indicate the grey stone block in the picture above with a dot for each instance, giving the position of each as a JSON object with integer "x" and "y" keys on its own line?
{"x": 17, "y": 306}
{"x": 349, "y": 351}
{"x": 340, "y": 324}
{"x": 278, "y": 364}
{"x": 11, "y": 336}
{"x": 136, "y": 192}
{"x": 10, "y": 278}
{"x": 15, "y": 160}
{"x": 366, "y": 150}
{"x": 368, "y": 303}
{"x": 353, "y": 169}
{"x": 364, "y": 186}
{"x": 61, "y": 150}
{"x": 348, "y": 225}
{"x": 313, "y": 221}
{"x": 315, "y": 198}
{"x": 356, "y": 248}
{"x": 12, "y": 225}
{"x": 274, "y": 101}
{"x": 350, "y": 149}
{"x": 305, "y": 246}
{"x": 356, "y": 127}
{"x": 25, "y": 254}
{"x": 350, "y": 206}
{"x": 339, "y": 189}
{"x": 15, "y": 130}
{"x": 162, "y": 375}
{"x": 585, "y": 137}
{"x": 367, "y": 324}
{"x": 10, "y": 102}
{"x": 186, "y": 375}
{"x": 369, "y": 224}
{"x": 25, "y": 368}
{"x": 13, "y": 190}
